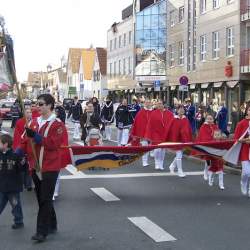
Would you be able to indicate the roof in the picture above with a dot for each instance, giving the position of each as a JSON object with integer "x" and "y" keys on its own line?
{"x": 88, "y": 59}
{"x": 102, "y": 59}
{"x": 74, "y": 57}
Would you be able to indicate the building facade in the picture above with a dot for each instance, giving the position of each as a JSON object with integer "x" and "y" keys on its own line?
{"x": 120, "y": 56}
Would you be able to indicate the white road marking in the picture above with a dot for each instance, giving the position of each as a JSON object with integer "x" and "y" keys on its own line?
{"x": 137, "y": 175}
{"x": 151, "y": 229}
{"x": 105, "y": 194}
{"x": 74, "y": 171}
{"x": 4, "y": 132}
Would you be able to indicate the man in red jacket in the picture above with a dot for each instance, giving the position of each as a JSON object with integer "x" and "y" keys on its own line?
{"x": 138, "y": 130}
{"x": 157, "y": 131}
{"x": 49, "y": 135}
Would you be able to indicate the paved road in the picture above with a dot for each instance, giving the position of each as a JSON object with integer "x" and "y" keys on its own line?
{"x": 98, "y": 209}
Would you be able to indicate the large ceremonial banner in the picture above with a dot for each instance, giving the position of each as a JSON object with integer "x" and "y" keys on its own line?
{"x": 6, "y": 80}
{"x": 84, "y": 157}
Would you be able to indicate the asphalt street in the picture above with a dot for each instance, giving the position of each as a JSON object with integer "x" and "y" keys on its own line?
{"x": 137, "y": 208}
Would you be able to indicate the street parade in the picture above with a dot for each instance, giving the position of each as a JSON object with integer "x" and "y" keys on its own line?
{"x": 116, "y": 149}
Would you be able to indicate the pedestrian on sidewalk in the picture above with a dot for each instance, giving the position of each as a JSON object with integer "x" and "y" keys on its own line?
{"x": 180, "y": 132}
{"x": 138, "y": 131}
{"x": 11, "y": 183}
{"x": 48, "y": 134}
{"x": 222, "y": 120}
{"x": 16, "y": 113}
{"x": 124, "y": 121}
{"x": 242, "y": 133}
{"x": 210, "y": 132}
{"x": 107, "y": 116}
{"x": 76, "y": 112}
{"x": 157, "y": 131}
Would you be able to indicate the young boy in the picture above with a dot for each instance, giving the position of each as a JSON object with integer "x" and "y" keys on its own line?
{"x": 11, "y": 184}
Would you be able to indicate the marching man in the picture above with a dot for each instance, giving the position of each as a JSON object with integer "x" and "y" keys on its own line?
{"x": 138, "y": 130}
{"x": 157, "y": 131}
{"x": 180, "y": 132}
{"x": 242, "y": 133}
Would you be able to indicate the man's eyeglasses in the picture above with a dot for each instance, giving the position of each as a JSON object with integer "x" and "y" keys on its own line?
{"x": 40, "y": 104}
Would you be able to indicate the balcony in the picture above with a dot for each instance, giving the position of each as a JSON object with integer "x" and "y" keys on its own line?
{"x": 245, "y": 61}
{"x": 245, "y": 10}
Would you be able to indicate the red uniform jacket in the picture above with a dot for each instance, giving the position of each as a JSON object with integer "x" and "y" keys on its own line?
{"x": 206, "y": 134}
{"x": 181, "y": 130}
{"x": 54, "y": 156}
{"x": 240, "y": 130}
{"x": 158, "y": 126}
{"x": 18, "y": 132}
{"x": 138, "y": 129}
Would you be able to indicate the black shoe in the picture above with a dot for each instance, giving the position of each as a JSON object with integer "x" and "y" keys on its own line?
{"x": 39, "y": 237}
{"x": 17, "y": 226}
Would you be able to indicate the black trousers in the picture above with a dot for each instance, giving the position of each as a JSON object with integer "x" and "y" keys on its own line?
{"x": 46, "y": 218}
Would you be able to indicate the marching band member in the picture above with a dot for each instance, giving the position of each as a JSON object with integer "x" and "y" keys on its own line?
{"x": 157, "y": 131}
{"x": 124, "y": 121}
{"x": 209, "y": 132}
{"x": 180, "y": 132}
{"x": 139, "y": 128}
{"x": 242, "y": 133}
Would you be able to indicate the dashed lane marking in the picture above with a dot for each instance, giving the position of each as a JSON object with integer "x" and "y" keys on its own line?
{"x": 151, "y": 229}
{"x": 105, "y": 194}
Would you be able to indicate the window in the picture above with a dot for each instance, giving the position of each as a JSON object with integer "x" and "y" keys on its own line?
{"x": 216, "y": 4}
{"x": 114, "y": 68}
{"x": 215, "y": 44}
{"x": 129, "y": 65}
{"x": 171, "y": 55}
{"x": 203, "y": 47}
{"x": 120, "y": 41}
{"x": 124, "y": 40}
{"x": 172, "y": 18}
{"x": 111, "y": 45}
{"x": 230, "y": 41}
{"x": 124, "y": 66}
{"x": 203, "y": 6}
{"x": 115, "y": 43}
{"x": 181, "y": 14}
{"x": 119, "y": 67}
{"x": 110, "y": 69}
{"x": 181, "y": 53}
{"x": 130, "y": 37}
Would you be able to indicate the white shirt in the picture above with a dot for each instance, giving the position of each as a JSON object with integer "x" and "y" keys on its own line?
{"x": 42, "y": 121}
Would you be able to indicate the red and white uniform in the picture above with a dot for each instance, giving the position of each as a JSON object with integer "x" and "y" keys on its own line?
{"x": 49, "y": 152}
{"x": 18, "y": 133}
{"x": 157, "y": 132}
{"x": 206, "y": 134}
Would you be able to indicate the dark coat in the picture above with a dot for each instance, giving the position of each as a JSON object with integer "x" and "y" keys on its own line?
{"x": 61, "y": 114}
{"x": 222, "y": 119}
{"x": 75, "y": 111}
{"x": 10, "y": 172}
{"x": 124, "y": 117}
{"x": 107, "y": 113}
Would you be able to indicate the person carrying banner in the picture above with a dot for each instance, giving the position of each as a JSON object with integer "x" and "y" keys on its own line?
{"x": 242, "y": 134}
{"x": 137, "y": 133}
{"x": 157, "y": 131}
{"x": 124, "y": 121}
{"x": 180, "y": 132}
{"x": 49, "y": 135}
{"x": 210, "y": 132}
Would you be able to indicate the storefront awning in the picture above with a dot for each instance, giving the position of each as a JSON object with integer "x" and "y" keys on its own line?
{"x": 173, "y": 87}
{"x": 192, "y": 86}
{"x": 232, "y": 84}
{"x": 217, "y": 84}
{"x": 204, "y": 85}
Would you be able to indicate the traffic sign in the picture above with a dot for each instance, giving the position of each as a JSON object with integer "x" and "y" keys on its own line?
{"x": 183, "y": 88}
{"x": 183, "y": 80}
{"x": 157, "y": 85}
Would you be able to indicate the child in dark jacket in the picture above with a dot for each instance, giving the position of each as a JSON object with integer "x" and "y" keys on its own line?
{"x": 11, "y": 184}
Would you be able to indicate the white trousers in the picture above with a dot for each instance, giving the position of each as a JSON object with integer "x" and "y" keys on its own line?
{"x": 159, "y": 154}
{"x": 178, "y": 156}
{"x": 245, "y": 175}
{"x": 76, "y": 130}
{"x": 122, "y": 136}
{"x": 108, "y": 131}
{"x": 146, "y": 155}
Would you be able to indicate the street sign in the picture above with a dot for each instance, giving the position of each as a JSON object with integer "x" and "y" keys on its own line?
{"x": 183, "y": 80}
{"x": 183, "y": 88}
{"x": 72, "y": 90}
{"x": 157, "y": 85}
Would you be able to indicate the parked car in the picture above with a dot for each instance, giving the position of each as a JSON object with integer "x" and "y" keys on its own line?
{"x": 5, "y": 107}
{"x": 67, "y": 103}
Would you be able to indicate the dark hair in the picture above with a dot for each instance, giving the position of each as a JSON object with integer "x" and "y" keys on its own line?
{"x": 49, "y": 99}
{"x": 6, "y": 139}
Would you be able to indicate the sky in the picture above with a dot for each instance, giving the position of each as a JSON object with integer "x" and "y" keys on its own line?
{"x": 44, "y": 30}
